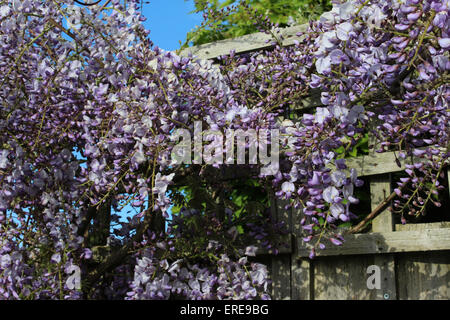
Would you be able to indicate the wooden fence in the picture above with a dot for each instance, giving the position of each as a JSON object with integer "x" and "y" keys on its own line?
{"x": 414, "y": 259}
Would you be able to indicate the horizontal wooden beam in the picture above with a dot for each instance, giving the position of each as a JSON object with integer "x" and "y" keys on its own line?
{"x": 250, "y": 42}
{"x": 379, "y": 163}
{"x": 389, "y": 242}
{"x": 422, "y": 226}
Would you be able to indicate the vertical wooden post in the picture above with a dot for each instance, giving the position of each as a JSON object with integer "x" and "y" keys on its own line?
{"x": 301, "y": 281}
{"x": 380, "y": 188}
{"x": 448, "y": 178}
{"x": 281, "y": 263}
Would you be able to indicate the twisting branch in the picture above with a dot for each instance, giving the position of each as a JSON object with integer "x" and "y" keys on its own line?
{"x": 117, "y": 257}
{"x": 87, "y": 4}
{"x": 374, "y": 213}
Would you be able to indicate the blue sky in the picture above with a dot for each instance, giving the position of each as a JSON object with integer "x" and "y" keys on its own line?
{"x": 169, "y": 21}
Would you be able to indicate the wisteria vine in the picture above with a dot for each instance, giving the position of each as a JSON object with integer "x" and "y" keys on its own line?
{"x": 88, "y": 105}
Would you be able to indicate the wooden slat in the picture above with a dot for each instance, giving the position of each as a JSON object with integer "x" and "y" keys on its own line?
{"x": 422, "y": 226}
{"x": 250, "y": 42}
{"x": 281, "y": 277}
{"x": 448, "y": 178}
{"x": 301, "y": 279}
{"x": 342, "y": 278}
{"x": 388, "y": 290}
{"x": 277, "y": 212}
{"x": 424, "y": 275}
{"x": 380, "y": 188}
{"x": 300, "y": 269}
{"x": 281, "y": 263}
{"x": 389, "y": 242}
{"x": 379, "y": 163}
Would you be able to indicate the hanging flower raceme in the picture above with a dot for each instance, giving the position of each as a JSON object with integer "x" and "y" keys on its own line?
{"x": 88, "y": 109}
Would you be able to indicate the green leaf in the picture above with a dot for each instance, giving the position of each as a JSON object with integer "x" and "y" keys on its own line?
{"x": 340, "y": 150}
{"x": 345, "y": 225}
{"x": 353, "y": 152}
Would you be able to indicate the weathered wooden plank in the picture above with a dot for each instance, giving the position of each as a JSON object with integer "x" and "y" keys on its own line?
{"x": 278, "y": 213}
{"x": 448, "y": 178}
{"x": 283, "y": 214}
{"x": 281, "y": 277}
{"x": 379, "y": 163}
{"x": 380, "y": 188}
{"x": 424, "y": 275}
{"x": 342, "y": 278}
{"x": 281, "y": 263}
{"x": 300, "y": 269}
{"x": 250, "y": 42}
{"x": 301, "y": 280}
{"x": 388, "y": 289}
{"x": 389, "y": 242}
{"x": 422, "y": 226}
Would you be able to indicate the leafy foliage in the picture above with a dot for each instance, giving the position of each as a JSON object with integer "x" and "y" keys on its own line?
{"x": 234, "y": 18}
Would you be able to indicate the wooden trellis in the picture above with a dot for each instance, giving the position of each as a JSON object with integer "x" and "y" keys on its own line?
{"x": 414, "y": 259}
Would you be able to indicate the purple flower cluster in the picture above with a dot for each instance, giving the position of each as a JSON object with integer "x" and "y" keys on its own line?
{"x": 374, "y": 62}
{"x": 88, "y": 105}
{"x": 225, "y": 279}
